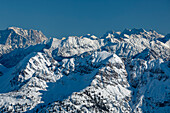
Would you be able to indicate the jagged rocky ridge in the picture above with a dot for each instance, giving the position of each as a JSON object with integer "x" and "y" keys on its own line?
{"x": 119, "y": 72}
{"x": 16, "y": 43}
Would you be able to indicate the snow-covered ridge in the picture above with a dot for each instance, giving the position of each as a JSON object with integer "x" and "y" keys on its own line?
{"x": 119, "y": 72}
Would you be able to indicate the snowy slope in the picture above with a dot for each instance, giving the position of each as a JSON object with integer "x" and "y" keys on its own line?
{"x": 119, "y": 72}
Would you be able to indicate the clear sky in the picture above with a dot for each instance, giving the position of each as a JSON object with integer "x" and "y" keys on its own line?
{"x": 58, "y": 18}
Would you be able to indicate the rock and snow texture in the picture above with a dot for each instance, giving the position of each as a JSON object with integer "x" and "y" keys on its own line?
{"x": 119, "y": 72}
{"x": 14, "y": 37}
{"x": 18, "y": 43}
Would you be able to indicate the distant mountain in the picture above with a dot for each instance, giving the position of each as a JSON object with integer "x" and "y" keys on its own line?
{"x": 14, "y": 37}
{"x": 17, "y": 42}
{"x": 118, "y": 72}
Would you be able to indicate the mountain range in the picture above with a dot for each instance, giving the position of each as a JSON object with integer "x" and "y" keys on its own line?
{"x": 118, "y": 72}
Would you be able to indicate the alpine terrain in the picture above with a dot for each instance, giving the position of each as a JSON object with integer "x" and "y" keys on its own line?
{"x": 119, "y": 72}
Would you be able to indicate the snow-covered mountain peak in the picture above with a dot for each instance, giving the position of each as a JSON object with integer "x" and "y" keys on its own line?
{"x": 74, "y": 45}
{"x": 93, "y": 37}
{"x": 17, "y": 30}
{"x": 23, "y": 32}
{"x": 132, "y": 34}
{"x": 133, "y": 31}
{"x": 14, "y": 37}
{"x": 18, "y": 42}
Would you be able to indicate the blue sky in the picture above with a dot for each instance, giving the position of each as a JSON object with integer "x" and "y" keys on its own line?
{"x": 58, "y": 18}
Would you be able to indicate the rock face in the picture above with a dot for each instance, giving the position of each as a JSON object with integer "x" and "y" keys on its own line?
{"x": 119, "y": 72}
{"x": 17, "y": 42}
{"x": 13, "y": 38}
